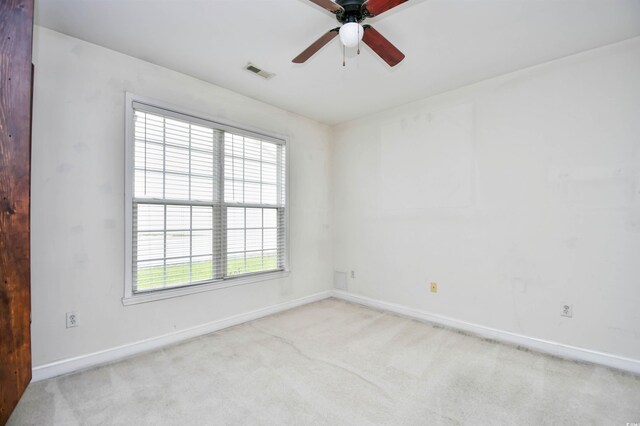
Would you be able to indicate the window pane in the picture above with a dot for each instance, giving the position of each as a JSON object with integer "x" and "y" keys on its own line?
{"x": 258, "y": 239}
{"x": 202, "y": 163}
{"x": 178, "y": 244}
{"x": 150, "y": 217}
{"x": 270, "y": 260}
{"x": 149, "y": 275}
{"x": 237, "y": 145}
{"x": 235, "y": 264}
{"x": 201, "y": 189}
{"x": 254, "y": 262}
{"x": 202, "y": 243}
{"x": 228, "y": 191}
{"x": 202, "y": 138}
{"x": 254, "y": 218}
{"x": 254, "y": 239}
{"x": 178, "y": 271}
{"x": 149, "y": 156}
{"x": 238, "y": 168}
{"x": 251, "y": 192}
{"x": 178, "y": 217}
{"x": 154, "y": 128}
{"x": 235, "y": 218}
{"x": 202, "y": 268}
{"x": 269, "y": 152}
{"x": 252, "y": 170}
{"x": 270, "y": 218}
{"x": 269, "y": 194}
{"x": 270, "y": 238}
{"x": 235, "y": 240}
{"x": 234, "y": 191}
{"x": 176, "y": 160}
{"x": 150, "y": 245}
{"x": 202, "y": 217}
{"x": 139, "y": 119}
{"x": 269, "y": 173}
{"x": 176, "y": 132}
{"x": 148, "y": 184}
{"x": 176, "y": 187}
{"x": 251, "y": 148}
{"x": 233, "y": 167}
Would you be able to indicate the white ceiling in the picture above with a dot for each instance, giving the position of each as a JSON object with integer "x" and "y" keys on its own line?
{"x": 448, "y": 44}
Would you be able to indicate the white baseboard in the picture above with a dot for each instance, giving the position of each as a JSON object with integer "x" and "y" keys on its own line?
{"x": 82, "y": 362}
{"x": 551, "y": 348}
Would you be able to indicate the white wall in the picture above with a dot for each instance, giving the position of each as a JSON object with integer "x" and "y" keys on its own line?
{"x": 516, "y": 195}
{"x": 78, "y": 201}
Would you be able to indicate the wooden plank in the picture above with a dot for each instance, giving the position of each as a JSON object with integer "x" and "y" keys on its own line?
{"x": 16, "y": 34}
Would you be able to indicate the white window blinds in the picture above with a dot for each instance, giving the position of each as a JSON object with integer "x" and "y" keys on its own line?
{"x": 209, "y": 201}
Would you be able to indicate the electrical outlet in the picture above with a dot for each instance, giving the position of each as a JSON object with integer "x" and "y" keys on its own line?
{"x": 434, "y": 287}
{"x": 567, "y": 311}
{"x": 72, "y": 319}
{"x": 353, "y": 274}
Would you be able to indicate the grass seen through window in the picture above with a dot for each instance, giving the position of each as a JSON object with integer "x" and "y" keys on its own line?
{"x": 178, "y": 274}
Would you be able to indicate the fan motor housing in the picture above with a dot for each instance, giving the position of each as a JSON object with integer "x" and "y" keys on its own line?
{"x": 353, "y": 11}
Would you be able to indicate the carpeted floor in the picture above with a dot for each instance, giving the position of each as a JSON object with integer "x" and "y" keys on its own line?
{"x": 335, "y": 363}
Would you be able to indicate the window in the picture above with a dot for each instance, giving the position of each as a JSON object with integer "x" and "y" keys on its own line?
{"x": 206, "y": 202}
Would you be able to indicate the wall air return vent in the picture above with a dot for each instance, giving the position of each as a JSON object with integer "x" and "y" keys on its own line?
{"x": 257, "y": 70}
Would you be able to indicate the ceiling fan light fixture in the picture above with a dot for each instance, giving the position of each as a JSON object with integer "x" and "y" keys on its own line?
{"x": 350, "y": 14}
{"x": 351, "y": 34}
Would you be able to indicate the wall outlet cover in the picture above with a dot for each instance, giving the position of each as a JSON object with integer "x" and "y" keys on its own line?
{"x": 567, "y": 310}
{"x": 72, "y": 319}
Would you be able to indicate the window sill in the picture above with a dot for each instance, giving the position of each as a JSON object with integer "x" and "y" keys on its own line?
{"x": 136, "y": 298}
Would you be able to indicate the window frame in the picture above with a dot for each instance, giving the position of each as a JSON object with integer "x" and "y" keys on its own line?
{"x": 150, "y": 105}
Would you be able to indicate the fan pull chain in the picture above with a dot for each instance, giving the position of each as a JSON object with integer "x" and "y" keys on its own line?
{"x": 358, "y": 40}
{"x": 344, "y": 55}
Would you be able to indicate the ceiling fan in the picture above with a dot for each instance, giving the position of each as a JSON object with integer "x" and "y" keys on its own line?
{"x": 350, "y": 13}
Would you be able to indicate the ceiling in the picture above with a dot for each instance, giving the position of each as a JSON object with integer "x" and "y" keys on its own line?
{"x": 448, "y": 44}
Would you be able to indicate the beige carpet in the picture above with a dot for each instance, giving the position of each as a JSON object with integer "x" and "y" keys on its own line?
{"x": 336, "y": 363}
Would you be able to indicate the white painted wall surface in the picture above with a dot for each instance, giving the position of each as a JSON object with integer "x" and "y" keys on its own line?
{"x": 515, "y": 195}
{"x": 78, "y": 200}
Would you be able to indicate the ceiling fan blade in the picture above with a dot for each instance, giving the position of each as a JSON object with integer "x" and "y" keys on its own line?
{"x": 376, "y": 7}
{"x": 382, "y": 46}
{"x": 315, "y": 46}
{"x": 329, "y": 5}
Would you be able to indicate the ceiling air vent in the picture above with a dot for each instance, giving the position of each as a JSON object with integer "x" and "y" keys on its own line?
{"x": 262, "y": 73}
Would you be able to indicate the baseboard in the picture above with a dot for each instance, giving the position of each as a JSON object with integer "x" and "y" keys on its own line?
{"x": 545, "y": 346}
{"x": 82, "y": 362}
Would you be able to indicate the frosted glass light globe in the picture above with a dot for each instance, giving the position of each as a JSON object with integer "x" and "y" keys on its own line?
{"x": 351, "y": 33}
